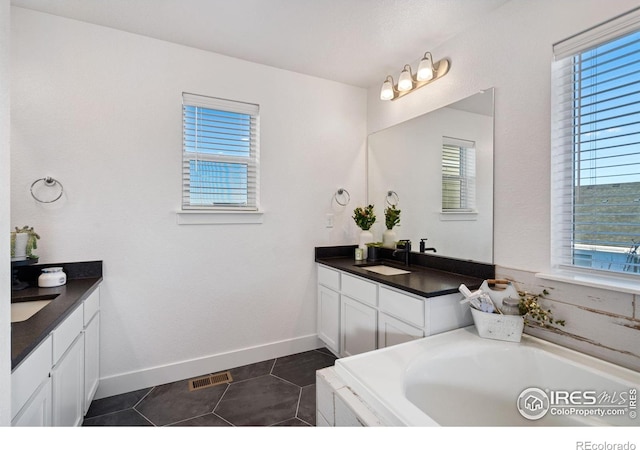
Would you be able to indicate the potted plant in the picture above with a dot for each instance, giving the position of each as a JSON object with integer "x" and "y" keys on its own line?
{"x": 364, "y": 219}
{"x": 23, "y": 242}
{"x": 391, "y": 219}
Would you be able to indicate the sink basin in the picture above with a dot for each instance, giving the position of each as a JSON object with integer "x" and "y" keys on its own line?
{"x": 386, "y": 270}
{"x": 24, "y": 308}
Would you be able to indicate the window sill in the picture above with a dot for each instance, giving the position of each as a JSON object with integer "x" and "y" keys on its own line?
{"x": 461, "y": 215}
{"x": 592, "y": 280}
{"x": 219, "y": 217}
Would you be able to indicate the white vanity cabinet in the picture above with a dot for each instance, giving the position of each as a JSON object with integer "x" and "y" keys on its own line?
{"x": 373, "y": 315}
{"x": 56, "y": 383}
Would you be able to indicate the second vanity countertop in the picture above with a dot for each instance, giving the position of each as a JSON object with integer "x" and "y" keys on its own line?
{"x": 82, "y": 280}
{"x": 423, "y": 281}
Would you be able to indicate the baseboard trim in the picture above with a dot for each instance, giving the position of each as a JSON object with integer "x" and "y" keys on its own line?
{"x": 132, "y": 381}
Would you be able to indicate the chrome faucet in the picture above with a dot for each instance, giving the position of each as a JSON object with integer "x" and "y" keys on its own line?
{"x": 406, "y": 250}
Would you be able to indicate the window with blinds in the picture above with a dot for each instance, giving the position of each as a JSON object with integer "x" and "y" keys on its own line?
{"x": 219, "y": 154}
{"x": 596, "y": 149}
{"x": 458, "y": 175}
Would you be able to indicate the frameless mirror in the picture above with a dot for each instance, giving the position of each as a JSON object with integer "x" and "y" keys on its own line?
{"x": 405, "y": 166}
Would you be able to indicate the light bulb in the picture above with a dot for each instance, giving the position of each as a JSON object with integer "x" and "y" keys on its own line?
{"x": 405, "y": 82}
{"x": 425, "y": 69}
{"x": 386, "y": 93}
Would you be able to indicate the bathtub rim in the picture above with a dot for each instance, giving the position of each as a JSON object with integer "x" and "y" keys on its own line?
{"x": 366, "y": 374}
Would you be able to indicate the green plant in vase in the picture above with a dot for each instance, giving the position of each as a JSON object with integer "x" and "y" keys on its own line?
{"x": 23, "y": 242}
{"x": 391, "y": 219}
{"x": 364, "y": 218}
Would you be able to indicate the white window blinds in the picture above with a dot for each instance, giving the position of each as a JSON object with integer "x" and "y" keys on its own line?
{"x": 220, "y": 154}
{"x": 596, "y": 148}
{"x": 458, "y": 175}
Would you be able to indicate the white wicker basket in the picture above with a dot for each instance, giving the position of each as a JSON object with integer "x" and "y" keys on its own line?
{"x": 498, "y": 326}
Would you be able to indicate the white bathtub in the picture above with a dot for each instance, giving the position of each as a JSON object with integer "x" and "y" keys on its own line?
{"x": 459, "y": 379}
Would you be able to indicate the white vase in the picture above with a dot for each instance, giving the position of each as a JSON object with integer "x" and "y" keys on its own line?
{"x": 20, "y": 252}
{"x": 365, "y": 237}
{"x": 389, "y": 239}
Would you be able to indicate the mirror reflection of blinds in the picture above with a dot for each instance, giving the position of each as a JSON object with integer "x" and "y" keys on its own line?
{"x": 596, "y": 150}
{"x": 458, "y": 175}
{"x": 220, "y": 154}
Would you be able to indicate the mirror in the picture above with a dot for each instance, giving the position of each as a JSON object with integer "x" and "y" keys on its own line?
{"x": 404, "y": 166}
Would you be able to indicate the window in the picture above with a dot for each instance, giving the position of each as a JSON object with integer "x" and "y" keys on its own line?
{"x": 458, "y": 175}
{"x": 596, "y": 149}
{"x": 219, "y": 154}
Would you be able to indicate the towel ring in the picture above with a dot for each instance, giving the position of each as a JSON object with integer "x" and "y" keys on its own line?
{"x": 392, "y": 198}
{"x": 342, "y": 193}
{"x": 48, "y": 182}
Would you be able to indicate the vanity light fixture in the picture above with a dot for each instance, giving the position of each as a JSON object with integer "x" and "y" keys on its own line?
{"x": 428, "y": 72}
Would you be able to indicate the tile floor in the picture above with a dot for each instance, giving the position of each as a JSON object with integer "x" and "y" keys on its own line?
{"x": 276, "y": 392}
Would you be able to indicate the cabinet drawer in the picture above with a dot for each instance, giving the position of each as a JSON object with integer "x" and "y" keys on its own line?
{"x": 360, "y": 289}
{"x": 402, "y": 306}
{"x": 26, "y": 378}
{"x": 66, "y": 333}
{"x": 91, "y": 306}
{"x": 329, "y": 278}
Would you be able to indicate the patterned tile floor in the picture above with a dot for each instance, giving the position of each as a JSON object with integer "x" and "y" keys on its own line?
{"x": 280, "y": 392}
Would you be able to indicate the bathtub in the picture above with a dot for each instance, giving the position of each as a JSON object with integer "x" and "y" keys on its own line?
{"x": 459, "y": 379}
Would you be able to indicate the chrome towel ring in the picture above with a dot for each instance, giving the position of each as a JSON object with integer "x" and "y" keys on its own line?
{"x": 50, "y": 183}
{"x": 392, "y": 198}
{"x": 342, "y": 194}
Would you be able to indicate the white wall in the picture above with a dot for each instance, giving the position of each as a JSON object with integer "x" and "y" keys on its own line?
{"x": 5, "y": 312}
{"x": 512, "y": 51}
{"x": 100, "y": 110}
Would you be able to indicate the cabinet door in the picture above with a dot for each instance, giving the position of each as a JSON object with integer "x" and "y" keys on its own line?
{"x": 68, "y": 386}
{"x": 91, "y": 360}
{"x": 358, "y": 327}
{"x": 37, "y": 411}
{"x": 329, "y": 318}
{"x": 392, "y": 331}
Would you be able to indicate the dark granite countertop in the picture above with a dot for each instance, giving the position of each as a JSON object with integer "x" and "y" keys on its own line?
{"x": 82, "y": 280}
{"x": 423, "y": 280}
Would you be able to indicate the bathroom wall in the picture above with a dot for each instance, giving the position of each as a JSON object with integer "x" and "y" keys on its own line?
{"x": 100, "y": 111}
{"x": 512, "y": 51}
{"x": 5, "y": 274}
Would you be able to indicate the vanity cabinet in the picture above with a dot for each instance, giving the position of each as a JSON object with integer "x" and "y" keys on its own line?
{"x": 356, "y": 315}
{"x": 56, "y": 383}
